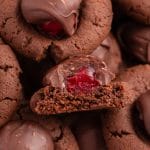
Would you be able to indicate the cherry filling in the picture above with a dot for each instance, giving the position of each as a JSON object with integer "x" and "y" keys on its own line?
{"x": 82, "y": 81}
{"x": 52, "y": 28}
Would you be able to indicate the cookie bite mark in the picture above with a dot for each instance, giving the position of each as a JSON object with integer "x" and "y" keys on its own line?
{"x": 81, "y": 83}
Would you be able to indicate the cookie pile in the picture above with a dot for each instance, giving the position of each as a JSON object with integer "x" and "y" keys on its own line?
{"x": 75, "y": 75}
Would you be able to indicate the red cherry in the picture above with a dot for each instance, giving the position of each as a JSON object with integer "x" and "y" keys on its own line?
{"x": 53, "y": 28}
{"x": 82, "y": 82}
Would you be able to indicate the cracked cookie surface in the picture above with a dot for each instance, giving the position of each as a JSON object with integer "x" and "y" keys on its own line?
{"x": 94, "y": 26}
{"x": 10, "y": 86}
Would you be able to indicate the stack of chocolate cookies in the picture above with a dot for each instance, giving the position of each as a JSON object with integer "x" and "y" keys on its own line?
{"x": 75, "y": 75}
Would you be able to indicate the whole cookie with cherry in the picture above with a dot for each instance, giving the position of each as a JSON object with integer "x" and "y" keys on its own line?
{"x": 10, "y": 85}
{"x": 58, "y": 28}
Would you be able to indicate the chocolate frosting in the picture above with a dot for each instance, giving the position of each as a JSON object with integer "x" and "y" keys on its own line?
{"x": 56, "y": 76}
{"x": 19, "y": 135}
{"x": 109, "y": 52}
{"x": 143, "y": 105}
{"x": 64, "y": 11}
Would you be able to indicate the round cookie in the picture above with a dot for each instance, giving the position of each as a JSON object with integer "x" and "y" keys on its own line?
{"x": 137, "y": 9}
{"x": 61, "y": 134}
{"x": 23, "y": 135}
{"x": 119, "y": 130}
{"x": 10, "y": 86}
{"x": 109, "y": 52}
{"x": 135, "y": 39}
{"x": 95, "y": 24}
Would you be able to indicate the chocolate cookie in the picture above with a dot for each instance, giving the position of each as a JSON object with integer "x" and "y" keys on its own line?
{"x": 138, "y": 79}
{"x": 79, "y": 84}
{"x": 135, "y": 39}
{"x": 94, "y": 25}
{"x": 20, "y": 135}
{"x": 138, "y": 10}
{"x": 10, "y": 86}
{"x": 109, "y": 52}
{"x": 61, "y": 134}
{"x": 120, "y": 129}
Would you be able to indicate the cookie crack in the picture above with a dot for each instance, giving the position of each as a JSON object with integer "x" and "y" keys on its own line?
{"x": 6, "y": 67}
{"x": 8, "y": 99}
{"x": 119, "y": 134}
{"x": 5, "y": 21}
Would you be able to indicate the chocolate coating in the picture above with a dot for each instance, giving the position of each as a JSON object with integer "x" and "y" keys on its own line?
{"x": 143, "y": 105}
{"x": 64, "y": 11}
{"x": 135, "y": 39}
{"x": 19, "y": 135}
{"x": 109, "y": 52}
{"x": 56, "y": 77}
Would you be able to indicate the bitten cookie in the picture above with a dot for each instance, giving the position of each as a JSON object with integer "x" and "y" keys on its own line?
{"x": 94, "y": 25}
{"x": 80, "y": 83}
{"x": 137, "y": 9}
{"x": 10, "y": 86}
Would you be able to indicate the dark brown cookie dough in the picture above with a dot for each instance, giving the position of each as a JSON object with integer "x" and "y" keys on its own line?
{"x": 60, "y": 132}
{"x": 137, "y": 9}
{"x": 119, "y": 130}
{"x": 79, "y": 84}
{"x": 10, "y": 86}
{"x": 109, "y": 52}
{"x": 95, "y": 23}
{"x": 135, "y": 39}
